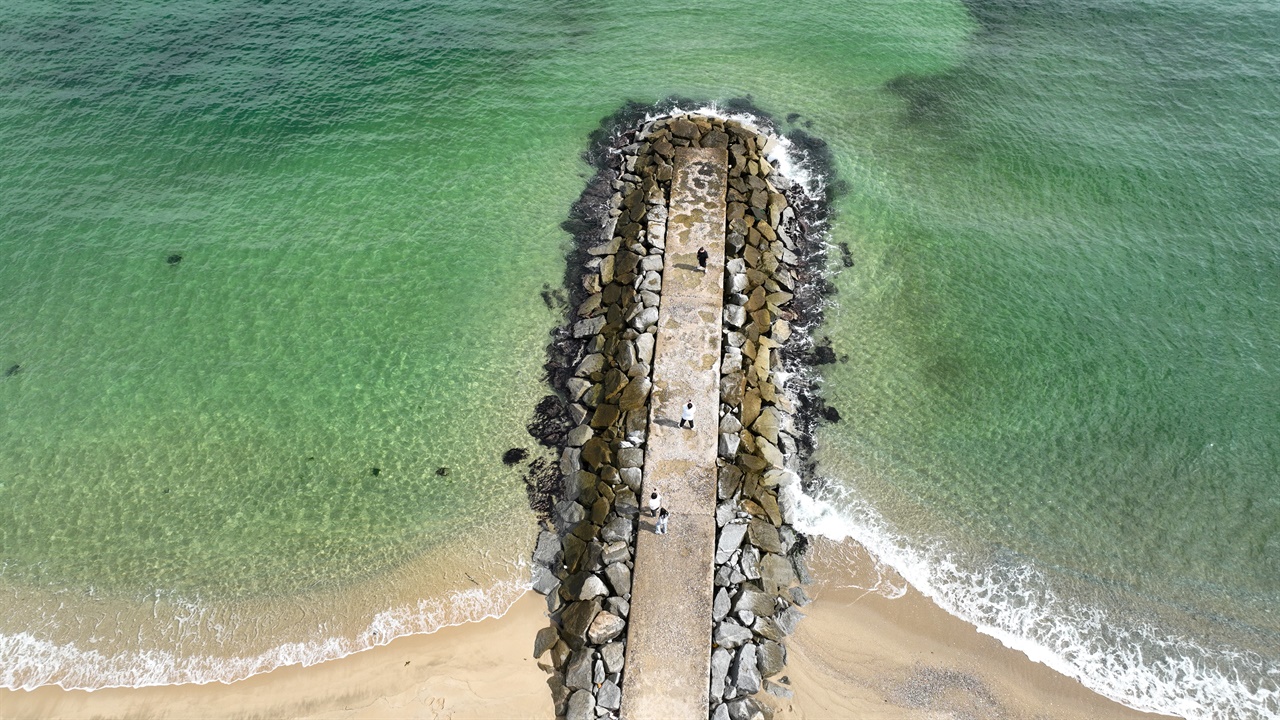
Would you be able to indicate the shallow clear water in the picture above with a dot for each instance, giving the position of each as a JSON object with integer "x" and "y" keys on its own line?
{"x": 1059, "y": 331}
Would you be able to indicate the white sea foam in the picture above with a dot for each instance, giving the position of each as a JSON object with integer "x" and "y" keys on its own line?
{"x": 783, "y": 155}
{"x": 28, "y": 661}
{"x": 1142, "y": 666}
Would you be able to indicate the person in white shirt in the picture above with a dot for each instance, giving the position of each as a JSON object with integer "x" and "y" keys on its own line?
{"x": 686, "y": 415}
{"x": 661, "y": 527}
{"x": 655, "y": 502}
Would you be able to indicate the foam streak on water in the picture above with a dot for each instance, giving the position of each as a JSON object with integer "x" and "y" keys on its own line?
{"x": 31, "y": 661}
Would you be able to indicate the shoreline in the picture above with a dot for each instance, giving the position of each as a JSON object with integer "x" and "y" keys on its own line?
{"x": 857, "y": 653}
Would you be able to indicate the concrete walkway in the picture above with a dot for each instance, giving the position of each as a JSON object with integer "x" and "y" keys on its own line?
{"x": 669, "y": 634}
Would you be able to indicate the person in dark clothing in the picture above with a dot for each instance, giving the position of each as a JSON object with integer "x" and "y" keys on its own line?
{"x": 702, "y": 259}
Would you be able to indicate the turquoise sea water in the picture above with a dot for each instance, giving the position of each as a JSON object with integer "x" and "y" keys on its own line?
{"x": 1059, "y": 355}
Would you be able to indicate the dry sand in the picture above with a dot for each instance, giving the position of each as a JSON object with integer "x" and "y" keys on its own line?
{"x": 858, "y": 654}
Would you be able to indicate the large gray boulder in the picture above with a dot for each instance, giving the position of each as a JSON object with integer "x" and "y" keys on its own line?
{"x": 730, "y": 634}
{"x": 590, "y": 365}
{"x": 730, "y": 538}
{"x": 757, "y": 603}
{"x": 646, "y": 317}
{"x": 582, "y": 706}
{"x": 743, "y": 709}
{"x": 743, "y": 673}
{"x": 546, "y": 638}
{"x": 609, "y": 696}
{"x": 720, "y": 606}
{"x": 544, "y": 581}
{"x": 578, "y": 673}
{"x": 616, "y": 529}
{"x": 579, "y": 436}
{"x": 592, "y": 587}
{"x": 771, "y": 657}
{"x": 614, "y": 655}
{"x": 720, "y": 661}
{"x": 631, "y": 458}
{"x": 548, "y": 550}
{"x": 619, "y": 577}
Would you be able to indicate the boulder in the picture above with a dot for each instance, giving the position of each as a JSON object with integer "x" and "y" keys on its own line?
{"x": 735, "y": 315}
{"x": 589, "y": 365}
{"x": 645, "y": 318}
{"x": 616, "y": 529}
{"x": 618, "y": 606}
{"x": 728, "y": 478}
{"x": 619, "y": 577}
{"x": 720, "y": 661}
{"x": 730, "y": 538}
{"x": 767, "y": 424}
{"x": 750, "y": 563}
{"x": 609, "y": 696}
{"x": 788, "y": 619}
{"x": 727, "y": 447}
{"x": 720, "y": 606}
{"x": 605, "y": 415}
{"x": 769, "y": 453}
{"x": 743, "y": 673}
{"x": 725, "y": 512}
{"x": 757, "y": 603}
{"x": 764, "y": 536}
{"x": 771, "y": 657}
{"x": 633, "y": 477}
{"x": 644, "y": 347}
{"x": 636, "y": 393}
{"x": 578, "y": 674}
{"x": 744, "y": 709}
{"x": 577, "y": 618}
{"x": 614, "y": 655}
{"x": 799, "y": 596}
{"x": 569, "y": 461}
{"x": 750, "y": 407}
{"x": 729, "y": 634}
{"x": 544, "y": 581}
{"x": 596, "y": 452}
{"x": 546, "y": 639}
{"x": 630, "y": 458}
{"x": 776, "y": 573}
{"x": 592, "y": 587}
{"x": 605, "y": 627}
{"x": 577, "y": 386}
{"x": 616, "y": 551}
{"x": 548, "y": 550}
{"x": 653, "y": 283}
{"x": 588, "y": 327}
{"x": 582, "y": 706}
{"x": 579, "y": 435}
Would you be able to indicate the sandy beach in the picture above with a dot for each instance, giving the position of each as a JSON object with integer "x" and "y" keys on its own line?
{"x": 857, "y": 654}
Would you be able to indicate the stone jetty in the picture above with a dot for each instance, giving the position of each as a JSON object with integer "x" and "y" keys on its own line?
{"x": 691, "y": 623}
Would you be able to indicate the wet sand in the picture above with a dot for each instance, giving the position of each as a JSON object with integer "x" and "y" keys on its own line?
{"x": 857, "y": 654}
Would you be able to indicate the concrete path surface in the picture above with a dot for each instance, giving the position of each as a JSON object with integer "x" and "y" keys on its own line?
{"x": 669, "y": 630}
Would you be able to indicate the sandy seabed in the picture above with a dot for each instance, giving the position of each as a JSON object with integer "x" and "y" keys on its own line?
{"x": 857, "y": 654}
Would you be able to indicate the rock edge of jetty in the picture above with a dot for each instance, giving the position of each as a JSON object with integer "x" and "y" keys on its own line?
{"x": 600, "y": 367}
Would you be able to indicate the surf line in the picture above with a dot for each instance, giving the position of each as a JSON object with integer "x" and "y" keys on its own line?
{"x": 696, "y": 273}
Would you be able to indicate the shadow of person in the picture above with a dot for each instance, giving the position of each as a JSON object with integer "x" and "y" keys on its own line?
{"x": 667, "y": 422}
{"x": 687, "y": 266}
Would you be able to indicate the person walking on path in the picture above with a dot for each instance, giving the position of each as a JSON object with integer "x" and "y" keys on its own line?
{"x": 686, "y": 415}
{"x": 702, "y": 259}
{"x": 655, "y": 502}
{"x": 661, "y": 527}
